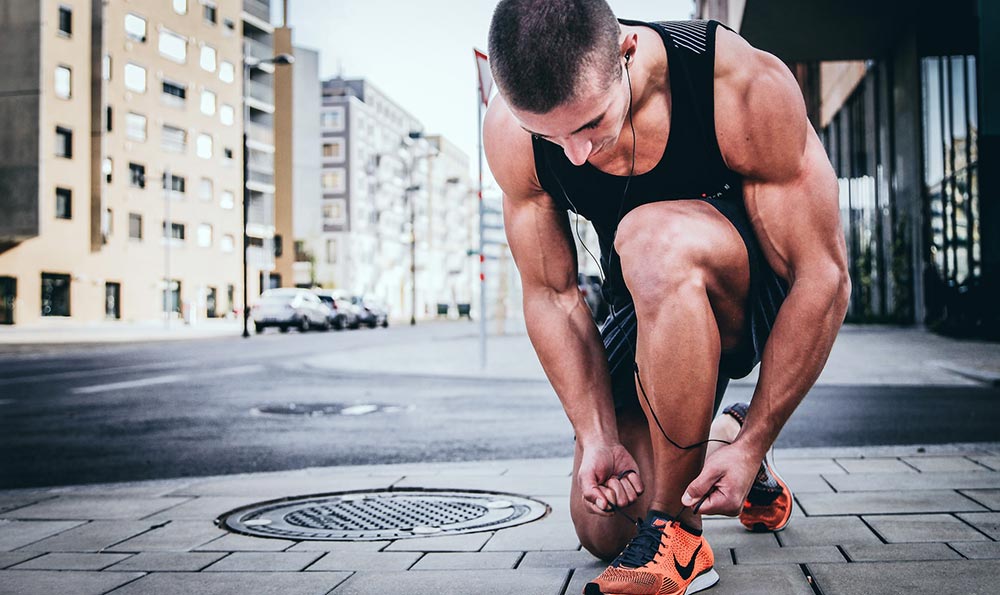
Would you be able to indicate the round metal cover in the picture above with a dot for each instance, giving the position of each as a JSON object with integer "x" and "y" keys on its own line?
{"x": 377, "y": 515}
{"x": 320, "y": 409}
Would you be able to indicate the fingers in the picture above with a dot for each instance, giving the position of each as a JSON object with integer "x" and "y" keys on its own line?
{"x": 719, "y": 502}
{"x": 701, "y": 486}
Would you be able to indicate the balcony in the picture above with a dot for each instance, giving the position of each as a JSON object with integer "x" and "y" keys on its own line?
{"x": 260, "y": 134}
{"x": 258, "y": 8}
{"x": 261, "y": 92}
{"x": 257, "y": 49}
{"x": 260, "y": 177}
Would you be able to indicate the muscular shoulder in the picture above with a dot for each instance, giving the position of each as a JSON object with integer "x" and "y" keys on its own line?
{"x": 509, "y": 152}
{"x": 760, "y": 117}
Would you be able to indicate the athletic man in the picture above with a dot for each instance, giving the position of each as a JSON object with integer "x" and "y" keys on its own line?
{"x": 715, "y": 204}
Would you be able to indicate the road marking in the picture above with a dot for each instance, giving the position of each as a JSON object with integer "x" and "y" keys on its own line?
{"x": 98, "y": 372}
{"x": 235, "y": 371}
{"x": 100, "y": 388}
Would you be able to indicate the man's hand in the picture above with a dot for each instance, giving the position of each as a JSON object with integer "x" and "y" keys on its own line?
{"x": 723, "y": 483}
{"x": 608, "y": 475}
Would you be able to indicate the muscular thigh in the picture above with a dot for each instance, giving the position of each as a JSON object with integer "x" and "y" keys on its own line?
{"x": 662, "y": 242}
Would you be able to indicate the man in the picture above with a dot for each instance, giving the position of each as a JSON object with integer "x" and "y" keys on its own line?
{"x": 715, "y": 205}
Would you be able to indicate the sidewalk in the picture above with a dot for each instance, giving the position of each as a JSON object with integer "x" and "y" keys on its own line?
{"x": 59, "y": 332}
{"x": 868, "y": 521}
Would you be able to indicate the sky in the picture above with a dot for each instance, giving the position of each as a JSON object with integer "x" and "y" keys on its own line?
{"x": 419, "y": 52}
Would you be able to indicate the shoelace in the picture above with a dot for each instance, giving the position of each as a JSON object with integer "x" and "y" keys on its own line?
{"x": 643, "y": 547}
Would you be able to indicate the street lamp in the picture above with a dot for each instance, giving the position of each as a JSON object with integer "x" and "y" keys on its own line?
{"x": 249, "y": 64}
{"x": 414, "y": 135}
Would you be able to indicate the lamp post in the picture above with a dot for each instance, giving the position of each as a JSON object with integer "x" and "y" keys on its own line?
{"x": 249, "y": 64}
{"x": 414, "y": 135}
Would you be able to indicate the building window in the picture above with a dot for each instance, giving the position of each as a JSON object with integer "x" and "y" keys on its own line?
{"x": 210, "y": 13}
{"x": 333, "y": 119}
{"x": 64, "y": 203}
{"x": 135, "y": 78}
{"x": 208, "y": 103}
{"x": 135, "y": 126}
{"x": 227, "y": 200}
{"x": 335, "y": 212}
{"x": 229, "y": 24}
{"x": 66, "y": 21}
{"x": 64, "y": 82}
{"x": 334, "y": 150}
{"x": 173, "y": 139}
{"x": 64, "y": 142}
{"x": 227, "y": 154}
{"x": 180, "y": 6}
{"x": 55, "y": 294}
{"x": 106, "y": 68}
{"x": 205, "y": 189}
{"x": 227, "y": 73}
{"x": 107, "y": 224}
{"x": 331, "y": 251}
{"x": 334, "y": 180}
{"x": 227, "y": 243}
{"x": 176, "y": 231}
{"x": 205, "y": 235}
{"x": 108, "y": 118}
{"x": 135, "y": 226}
{"x": 112, "y": 301}
{"x": 173, "y": 46}
{"x": 174, "y": 93}
{"x": 207, "y": 58}
{"x": 174, "y": 183}
{"x": 137, "y": 175}
{"x": 172, "y": 297}
{"x": 135, "y": 27}
{"x": 107, "y": 168}
{"x": 203, "y": 146}
{"x": 227, "y": 115}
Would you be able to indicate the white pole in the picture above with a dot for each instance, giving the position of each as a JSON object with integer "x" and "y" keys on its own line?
{"x": 482, "y": 254}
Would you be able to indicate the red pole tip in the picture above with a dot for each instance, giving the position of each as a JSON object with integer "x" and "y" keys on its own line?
{"x": 482, "y": 277}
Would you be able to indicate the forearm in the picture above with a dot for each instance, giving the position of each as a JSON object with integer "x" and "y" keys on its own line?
{"x": 795, "y": 354}
{"x": 569, "y": 348}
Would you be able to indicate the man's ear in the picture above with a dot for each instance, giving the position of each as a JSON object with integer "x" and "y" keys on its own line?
{"x": 628, "y": 45}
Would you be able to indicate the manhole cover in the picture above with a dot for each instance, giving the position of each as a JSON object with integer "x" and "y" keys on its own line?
{"x": 318, "y": 409}
{"x": 374, "y": 515}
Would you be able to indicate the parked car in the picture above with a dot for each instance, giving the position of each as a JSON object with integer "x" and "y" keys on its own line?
{"x": 286, "y": 308}
{"x": 343, "y": 314}
{"x": 590, "y": 287}
{"x": 372, "y": 312}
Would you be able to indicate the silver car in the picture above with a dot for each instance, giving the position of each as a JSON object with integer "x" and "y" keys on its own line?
{"x": 287, "y": 307}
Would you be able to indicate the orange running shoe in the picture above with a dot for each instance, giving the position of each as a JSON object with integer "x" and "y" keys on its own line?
{"x": 768, "y": 506}
{"x": 664, "y": 558}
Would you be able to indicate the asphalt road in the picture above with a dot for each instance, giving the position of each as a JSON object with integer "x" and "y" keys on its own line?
{"x": 83, "y": 414}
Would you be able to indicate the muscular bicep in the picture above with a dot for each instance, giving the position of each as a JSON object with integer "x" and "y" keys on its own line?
{"x": 540, "y": 241}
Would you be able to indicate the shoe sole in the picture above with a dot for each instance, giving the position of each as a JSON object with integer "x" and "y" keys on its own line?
{"x": 761, "y": 527}
{"x": 706, "y": 580}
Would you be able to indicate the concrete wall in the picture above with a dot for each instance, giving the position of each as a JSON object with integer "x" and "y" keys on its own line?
{"x": 20, "y": 52}
{"x": 837, "y": 81}
{"x": 284, "y": 157}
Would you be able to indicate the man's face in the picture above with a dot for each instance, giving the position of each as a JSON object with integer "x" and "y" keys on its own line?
{"x": 586, "y": 125}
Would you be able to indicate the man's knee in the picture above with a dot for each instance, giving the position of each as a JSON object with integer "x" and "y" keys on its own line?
{"x": 601, "y": 536}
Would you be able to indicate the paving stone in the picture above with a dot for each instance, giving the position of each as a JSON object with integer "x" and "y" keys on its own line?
{"x": 813, "y": 466}
{"x": 94, "y": 508}
{"x": 978, "y": 550}
{"x": 887, "y": 502}
{"x": 468, "y": 561}
{"x": 730, "y": 533}
{"x": 47, "y": 582}
{"x": 231, "y": 542}
{"x": 202, "y": 508}
{"x": 969, "y": 577}
{"x": 8, "y": 559}
{"x": 529, "y": 485}
{"x": 65, "y": 561}
{"x": 827, "y": 531}
{"x": 264, "y": 562}
{"x": 923, "y": 528}
{"x": 15, "y": 534}
{"x": 786, "y": 555}
{"x": 167, "y": 561}
{"x": 878, "y": 482}
{"x": 988, "y": 498}
{"x": 580, "y": 559}
{"x": 900, "y": 552}
{"x": 875, "y": 466}
{"x": 92, "y": 537}
{"x": 264, "y": 487}
{"x": 174, "y": 536}
{"x": 987, "y": 522}
{"x": 944, "y": 464}
{"x": 435, "y": 582}
{"x": 14, "y": 501}
{"x": 234, "y": 583}
{"x": 991, "y": 461}
{"x": 805, "y": 483}
{"x": 351, "y": 561}
{"x": 471, "y": 542}
{"x": 338, "y": 546}
{"x": 761, "y": 580}
{"x": 546, "y": 534}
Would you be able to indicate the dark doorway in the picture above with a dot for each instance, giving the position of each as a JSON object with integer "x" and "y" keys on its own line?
{"x": 113, "y": 301}
{"x": 55, "y": 294}
{"x": 8, "y": 294}
{"x": 211, "y": 302}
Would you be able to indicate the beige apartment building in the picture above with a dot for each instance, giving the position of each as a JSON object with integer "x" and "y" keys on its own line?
{"x": 121, "y": 160}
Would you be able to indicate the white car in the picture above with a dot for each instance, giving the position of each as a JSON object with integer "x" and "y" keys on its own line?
{"x": 287, "y": 307}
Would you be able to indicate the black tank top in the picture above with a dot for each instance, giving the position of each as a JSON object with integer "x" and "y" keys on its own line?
{"x": 691, "y": 166}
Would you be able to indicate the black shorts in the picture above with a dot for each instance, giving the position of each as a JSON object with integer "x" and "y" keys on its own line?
{"x": 764, "y": 298}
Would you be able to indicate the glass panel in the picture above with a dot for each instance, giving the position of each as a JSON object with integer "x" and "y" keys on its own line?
{"x": 208, "y": 58}
{"x": 135, "y": 78}
{"x": 135, "y": 27}
{"x": 64, "y": 82}
{"x": 173, "y": 46}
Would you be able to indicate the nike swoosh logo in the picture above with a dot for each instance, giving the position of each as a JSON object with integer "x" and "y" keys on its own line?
{"x": 686, "y": 570}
